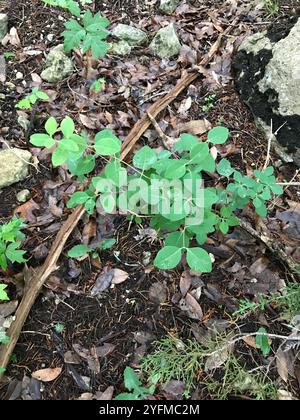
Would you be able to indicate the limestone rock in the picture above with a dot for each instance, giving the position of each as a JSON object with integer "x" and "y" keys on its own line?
{"x": 14, "y": 165}
{"x": 268, "y": 78}
{"x": 23, "y": 196}
{"x": 168, "y": 6}
{"x": 120, "y": 48}
{"x": 133, "y": 36}
{"x": 3, "y": 25}
{"x": 166, "y": 43}
{"x": 58, "y": 65}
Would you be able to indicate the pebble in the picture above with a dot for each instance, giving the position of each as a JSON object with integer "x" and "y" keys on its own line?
{"x": 19, "y": 75}
{"x": 23, "y": 196}
{"x": 50, "y": 37}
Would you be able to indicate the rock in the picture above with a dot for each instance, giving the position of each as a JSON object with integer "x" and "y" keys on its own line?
{"x": 133, "y": 36}
{"x": 13, "y": 166}
{"x": 268, "y": 79}
{"x": 58, "y": 65}
{"x": 168, "y": 6}
{"x": 3, "y": 25}
{"x": 166, "y": 43}
{"x": 120, "y": 48}
{"x": 23, "y": 196}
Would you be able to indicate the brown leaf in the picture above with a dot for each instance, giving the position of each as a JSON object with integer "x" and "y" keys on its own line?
{"x": 185, "y": 282}
{"x": 105, "y": 350}
{"x": 8, "y": 308}
{"x": 119, "y": 276}
{"x": 25, "y": 211}
{"x": 195, "y": 127}
{"x": 47, "y": 375}
{"x": 105, "y": 395}
{"x": 194, "y": 308}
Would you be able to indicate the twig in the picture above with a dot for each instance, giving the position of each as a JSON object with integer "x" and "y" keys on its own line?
{"x": 273, "y": 245}
{"x": 37, "y": 281}
{"x": 164, "y": 138}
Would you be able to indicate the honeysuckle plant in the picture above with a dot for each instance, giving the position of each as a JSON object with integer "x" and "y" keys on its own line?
{"x": 165, "y": 186}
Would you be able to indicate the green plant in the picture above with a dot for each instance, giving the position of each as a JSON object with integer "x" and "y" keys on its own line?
{"x": 263, "y": 341}
{"x": 209, "y": 103}
{"x": 186, "y": 361}
{"x": 31, "y": 99}
{"x": 79, "y": 251}
{"x": 90, "y": 34}
{"x": 70, "y": 5}
{"x": 98, "y": 85}
{"x": 10, "y": 242}
{"x": 287, "y": 299}
{"x": 9, "y": 54}
{"x": 134, "y": 385}
{"x": 180, "y": 215}
{"x": 271, "y": 7}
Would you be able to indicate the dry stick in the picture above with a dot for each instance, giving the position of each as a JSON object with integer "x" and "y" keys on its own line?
{"x": 35, "y": 284}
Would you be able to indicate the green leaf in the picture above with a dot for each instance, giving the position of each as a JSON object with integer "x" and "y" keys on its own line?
{"x": 42, "y": 95}
{"x": 175, "y": 169}
{"x": 69, "y": 145}
{"x": 14, "y": 254}
{"x": 208, "y": 165}
{"x": 3, "y": 294}
{"x": 186, "y": 143}
{"x": 83, "y": 166}
{"x": 177, "y": 239}
{"x": 168, "y": 257}
{"x": 77, "y": 198}
{"x": 218, "y": 135}
{"x": 224, "y": 168}
{"x": 51, "y": 126}
{"x": 131, "y": 381}
{"x": 106, "y": 143}
{"x": 78, "y": 251}
{"x": 67, "y": 127}
{"x": 42, "y": 140}
{"x": 224, "y": 227}
{"x": 98, "y": 85}
{"x": 116, "y": 173}
{"x": 107, "y": 243}
{"x": 144, "y": 158}
{"x": 59, "y": 156}
{"x": 199, "y": 153}
{"x": 199, "y": 260}
{"x": 263, "y": 342}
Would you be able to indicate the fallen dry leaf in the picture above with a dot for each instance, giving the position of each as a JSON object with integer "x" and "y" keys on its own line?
{"x": 47, "y": 375}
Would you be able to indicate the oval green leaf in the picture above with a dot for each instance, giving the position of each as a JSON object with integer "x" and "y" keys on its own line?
{"x": 168, "y": 257}
{"x": 199, "y": 260}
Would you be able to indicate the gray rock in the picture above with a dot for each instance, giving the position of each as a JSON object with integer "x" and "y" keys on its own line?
{"x": 166, "y": 43}
{"x": 168, "y": 6}
{"x": 23, "y": 196}
{"x": 14, "y": 165}
{"x": 120, "y": 48}
{"x": 268, "y": 78}
{"x": 133, "y": 36}
{"x": 3, "y": 25}
{"x": 58, "y": 65}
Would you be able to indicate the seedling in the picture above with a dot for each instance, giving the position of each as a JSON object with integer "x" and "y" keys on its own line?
{"x": 31, "y": 99}
{"x": 150, "y": 172}
{"x": 89, "y": 34}
{"x": 79, "y": 251}
{"x": 263, "y": 341}
{"x": 10, "y": 242}
{"x": 271, "y": 7}
{"x": 209, "y": 103}
{"x": 134, "y": 385}
{"x": 98, "y": 85}
{"x": 9, "y": 55}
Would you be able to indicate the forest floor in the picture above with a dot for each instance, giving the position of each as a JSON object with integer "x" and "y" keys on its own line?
{"x": 67, "y": 322}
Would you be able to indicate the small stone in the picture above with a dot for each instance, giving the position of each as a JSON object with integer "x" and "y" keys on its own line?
{"x": 58, "y": 65}
{"x": 23, "y": 121}
{"x": 10, "y": 85}
{"x": 120, "y": 48}
{"x": 23, "y": 196}
{"x": 168, "y": 6}
{"x": 2, "y": 97}
{"x": 166, "y": 43}
{"x": 3, "y": 25}
{"x": 19, "y": 75}
{"x": 14, "y": 165}
{"x": 50, "y": 37}
{"x": 133, "y": 36}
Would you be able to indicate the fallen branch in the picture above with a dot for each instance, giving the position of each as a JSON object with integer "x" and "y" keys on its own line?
{"x": 274, "y": 246}
{"x": 37, "y": 281}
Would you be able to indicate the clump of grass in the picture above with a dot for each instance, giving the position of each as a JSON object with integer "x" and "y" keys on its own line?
{"x": 271, "y": 7}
